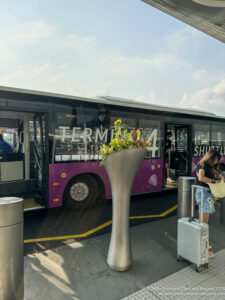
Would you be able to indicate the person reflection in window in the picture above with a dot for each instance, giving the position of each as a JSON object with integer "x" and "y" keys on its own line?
{"x": 167, "y": 155}
{"x": 4, "y": 146}
{"x": 102, "y": 119}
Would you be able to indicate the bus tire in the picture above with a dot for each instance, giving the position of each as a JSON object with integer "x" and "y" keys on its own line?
{"x": 101, "y": 200}
{"x": 81, "y": 192}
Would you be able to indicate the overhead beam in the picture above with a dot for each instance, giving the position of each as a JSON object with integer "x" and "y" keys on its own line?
{"x": 208, "y": 18}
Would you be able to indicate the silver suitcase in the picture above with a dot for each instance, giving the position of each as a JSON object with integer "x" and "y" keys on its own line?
{"x": 193, "y": 237}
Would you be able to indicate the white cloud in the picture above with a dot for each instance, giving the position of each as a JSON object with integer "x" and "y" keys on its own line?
{"x": 200, "y": 74}
{"x": 47, "y": 77}
{"x": 183, "y": 42}
{"x": 28, "y": 32}
{"x": 211, "y": 99}
{"x": 207, "y": 77}
{"x": 219, "y": 89}
{"x": 169, "y": 61}
{"x": 150, "y": 97}
{"x": 81, "y": 65}
{"x": 128, "y": 77}
{"x": 83, "y": 44}
{"x": 6, "y": 54}
{"x": 22, "y": 36}
{"x": 105, "y": 90}
{"x": 43, "y": 36}
{"x": 122, "y": 65}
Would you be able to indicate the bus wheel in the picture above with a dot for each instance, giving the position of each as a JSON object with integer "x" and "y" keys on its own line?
{"x": 81, "y": 192}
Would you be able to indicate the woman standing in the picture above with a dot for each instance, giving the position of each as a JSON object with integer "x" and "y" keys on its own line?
{"x": 206, "y": 173}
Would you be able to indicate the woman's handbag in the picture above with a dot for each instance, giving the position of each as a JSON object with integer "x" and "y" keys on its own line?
{"x": 218, "y": 190}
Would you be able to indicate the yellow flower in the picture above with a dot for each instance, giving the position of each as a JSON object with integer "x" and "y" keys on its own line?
{"x": 118, "y": 121}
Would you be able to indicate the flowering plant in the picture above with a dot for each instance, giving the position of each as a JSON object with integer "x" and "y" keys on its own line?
{"x": 123, "y": 140}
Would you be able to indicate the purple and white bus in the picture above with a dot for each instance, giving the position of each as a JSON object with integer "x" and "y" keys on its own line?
{"x": 56, "y": 139}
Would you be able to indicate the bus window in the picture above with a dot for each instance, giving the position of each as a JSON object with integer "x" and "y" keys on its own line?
{"x": 179, "y": 156}
{"x": 201, "y": 138}
{"x": 127, "y": 118}
{"x": 79, "y": 132}
{"x": 10, "y": 136}
{"x": 150, "y": 130}
{"x": 218, "y": 138}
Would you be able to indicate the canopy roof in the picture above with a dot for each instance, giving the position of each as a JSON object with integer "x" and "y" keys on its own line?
{"x": 205, "y": 15}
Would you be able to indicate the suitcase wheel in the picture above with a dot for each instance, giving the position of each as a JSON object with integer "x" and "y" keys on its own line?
{"x": 197, "y": 269}
{"x": 206, "y": 265}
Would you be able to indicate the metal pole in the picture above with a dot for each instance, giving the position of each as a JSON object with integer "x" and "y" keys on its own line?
{"x": 11, "y": 249}
{"x": 185, "y": 196}
{"x": 222, "y": 211}
{"x": 27, "y": 146}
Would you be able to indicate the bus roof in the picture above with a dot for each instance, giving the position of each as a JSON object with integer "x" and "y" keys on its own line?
{"x": 114, "y": 101}
{"x": 145, "y": 105}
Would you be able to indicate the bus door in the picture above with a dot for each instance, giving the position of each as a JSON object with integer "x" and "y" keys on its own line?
{"x": 40, "y": 144}
{"x": 180, "y": 154}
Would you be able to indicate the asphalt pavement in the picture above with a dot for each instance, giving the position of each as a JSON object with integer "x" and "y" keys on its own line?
{"x": 58, "y": 222}
{"x": 76, "y": 268}
{"x": 79, "y": 270}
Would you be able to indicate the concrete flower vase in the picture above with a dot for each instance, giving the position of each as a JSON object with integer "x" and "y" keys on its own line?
{"x": 122, "y": 167}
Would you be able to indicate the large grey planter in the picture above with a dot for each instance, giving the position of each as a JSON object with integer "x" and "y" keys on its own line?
{"x": 121, "y": 168}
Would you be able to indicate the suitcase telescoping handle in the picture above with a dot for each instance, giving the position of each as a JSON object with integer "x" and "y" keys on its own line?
{"x": 193, "y": 187}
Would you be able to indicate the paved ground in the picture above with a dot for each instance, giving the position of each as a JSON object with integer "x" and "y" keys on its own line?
{"x": 186, "y": 284}
{"x": 63, "y": 222}
{"x": 79, "y": 270}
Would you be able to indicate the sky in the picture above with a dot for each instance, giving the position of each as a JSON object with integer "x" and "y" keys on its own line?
{"x": 124, "y": 49}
